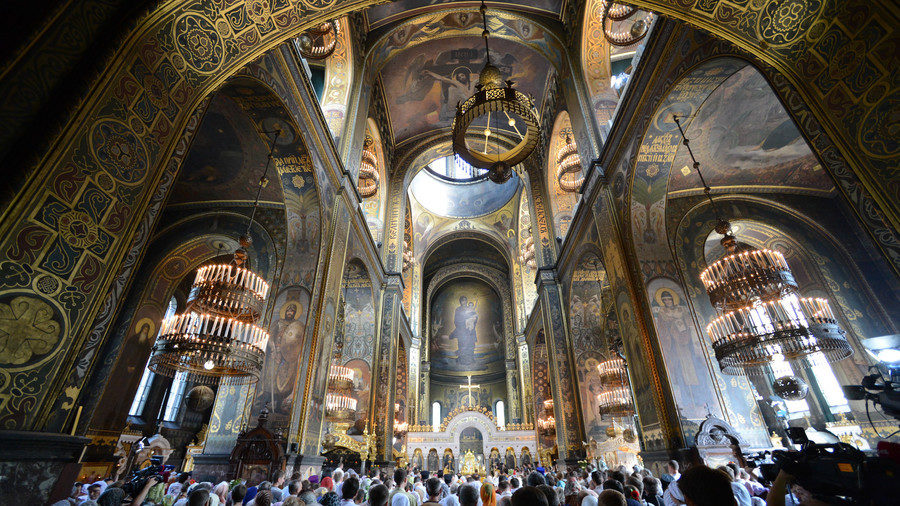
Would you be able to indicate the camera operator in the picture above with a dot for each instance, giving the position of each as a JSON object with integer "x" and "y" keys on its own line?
{"x": 798, "y": 496}
{"x": 115, "y": 495}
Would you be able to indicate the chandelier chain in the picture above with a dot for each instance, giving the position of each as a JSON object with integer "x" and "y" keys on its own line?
{"x": 706, "y": 189}
{"x": 262, "y": 179}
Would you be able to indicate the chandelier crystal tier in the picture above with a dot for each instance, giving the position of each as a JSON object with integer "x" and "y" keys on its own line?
{"x": 615, "y": 398}
{"x": 492, "y": 99}
{"x": 368, "y": 170}
{"x": 547, "y": 422}
{"x": 568, "y": 166}
{"x": 340, "y": 405}
{"x": 761, "y": 315}
{"x": 319, "y": 42}
{"x": 218, "y": 336}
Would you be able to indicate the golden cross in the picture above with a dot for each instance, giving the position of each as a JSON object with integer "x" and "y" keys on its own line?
{"x": 471, "y": 387}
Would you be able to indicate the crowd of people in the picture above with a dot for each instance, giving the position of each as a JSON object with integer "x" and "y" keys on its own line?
{"x": 697, "y": 486}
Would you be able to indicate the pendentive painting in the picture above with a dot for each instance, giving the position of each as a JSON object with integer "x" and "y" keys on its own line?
{"x": 466, "y": 331}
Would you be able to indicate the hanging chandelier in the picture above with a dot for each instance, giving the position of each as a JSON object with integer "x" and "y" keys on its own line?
{"x": 547, "y": 422}
{"x": 568, "y": 166}
{"x": 618, "y": 12}
{"x": 761, "y": 315}
{"x": 615, "y": 398}
{"x": 340, "y": 406}
{"x": 319, "y": 42}
{"x": 492, "y": 98}
{"x": 217, "y": 336}
{"x": 368, "y": 170}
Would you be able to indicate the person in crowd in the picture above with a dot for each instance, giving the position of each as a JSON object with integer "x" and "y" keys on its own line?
{"x": 536, "y": 479}
{"x": 653, "y": 491}
{"x": 514, "y": 484}
{"x": 550, "y": 494}
{"x": 740, "y": 492}
{"x": 378, "y": 495}
{"x": 703, "y": 486}
{"x": 488, "y": 496}
{"x": 330, "y": 498}
{"x": 349, "y": 488}
{"x": 433, "y": 491}
{"x": 671, "y": 475}
{"x": 468, "y": 495}
{"x": 609, "y": 497}
{"x": 307, "y": 492}
{"x": 503, "y": 489}
{"x": 528, "y": 496}
{"x": 237, "y": 494}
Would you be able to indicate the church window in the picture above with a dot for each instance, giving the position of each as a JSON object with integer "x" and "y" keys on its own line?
{"x": 143, "y": 391}
{"x": 176, "y": 393}
{"x": 500, "y": 413}
{"x": 435, "y": 416}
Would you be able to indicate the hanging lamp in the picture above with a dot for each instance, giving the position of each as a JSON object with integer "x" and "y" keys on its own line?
{"x": 761, "y": 315}
{"x": 218, "y": 336}
{"x": 492, "y": 97}
{"x": 568, "y": 166}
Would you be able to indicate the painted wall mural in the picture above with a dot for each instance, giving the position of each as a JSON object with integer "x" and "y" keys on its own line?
{"x": 358, "y": 336}
{"x": 286, "y": 334}
{"x": 226, "y": 159}
{"x": 587, "y": 322}
{"x": 441, "y": 73}
{"x": 466, "y": 334}
{"x": 684, "y": 353}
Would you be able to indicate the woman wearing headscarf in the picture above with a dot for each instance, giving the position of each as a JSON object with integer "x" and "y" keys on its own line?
{"x": 488, "y": 497}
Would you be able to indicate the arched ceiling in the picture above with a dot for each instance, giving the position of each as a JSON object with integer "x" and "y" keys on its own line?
{"x": 743, "y": 138}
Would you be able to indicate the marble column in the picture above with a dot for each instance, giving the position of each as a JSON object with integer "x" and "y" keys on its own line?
{"x": 381, "y": 415}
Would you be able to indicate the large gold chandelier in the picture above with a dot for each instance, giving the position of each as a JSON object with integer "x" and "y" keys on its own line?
{"x": 761, "y": 315}
{"x": 368, "y": 170}
{"x": 340, "y": 406}
{"x": 218, "y": 336}
{"x": 491, "y": 99}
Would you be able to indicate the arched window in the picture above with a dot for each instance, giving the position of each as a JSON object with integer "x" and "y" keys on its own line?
{"x": 435, "y": 416}
{"x": 822, "y": 373}
{"x": 176, "y": 393}
{"x": 143, "y": 391}
{"x": 500, "y": 413}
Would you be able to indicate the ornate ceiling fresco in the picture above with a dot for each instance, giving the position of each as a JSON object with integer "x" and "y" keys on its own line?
{"x": 381, "y": 15}
{"x": 424, "y": 85}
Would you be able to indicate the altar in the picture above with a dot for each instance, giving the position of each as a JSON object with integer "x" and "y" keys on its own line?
{"x": 465, "y": 438}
